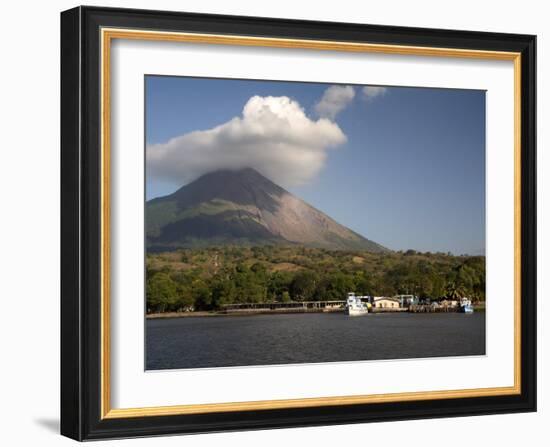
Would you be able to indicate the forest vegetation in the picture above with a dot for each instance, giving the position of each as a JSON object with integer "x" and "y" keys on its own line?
{"x": 205, "y": 279}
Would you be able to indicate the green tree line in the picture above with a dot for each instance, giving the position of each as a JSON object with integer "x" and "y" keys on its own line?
{"x": 205, "y": 279}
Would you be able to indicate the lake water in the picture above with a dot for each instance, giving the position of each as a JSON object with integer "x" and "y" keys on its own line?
{"x": 206, "y": 342}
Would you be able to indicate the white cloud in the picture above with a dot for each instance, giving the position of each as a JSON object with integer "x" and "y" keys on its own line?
{"x": 335, "y": 99}
{"x": 273, "y": 135}
{"x": 371, "y": 92}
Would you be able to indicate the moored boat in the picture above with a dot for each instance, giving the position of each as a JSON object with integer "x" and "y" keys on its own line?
{"x": 466, "y": 306}
{"x": 354, "y": 306}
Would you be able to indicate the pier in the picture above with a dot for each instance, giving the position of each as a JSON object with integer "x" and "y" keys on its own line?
{"x": 375, "y": 305}
{"x": 428, "y": 308}
{"x": 289, "y": 307}
{"x": 327, "y": 306}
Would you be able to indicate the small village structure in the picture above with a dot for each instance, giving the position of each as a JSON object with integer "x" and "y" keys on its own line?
{"x": 381, "y": 302}
{"x": 376, "y": 304}
{"x": 407, "y": 300}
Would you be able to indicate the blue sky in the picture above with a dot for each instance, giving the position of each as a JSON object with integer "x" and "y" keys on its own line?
{"x": 407, "y": 169}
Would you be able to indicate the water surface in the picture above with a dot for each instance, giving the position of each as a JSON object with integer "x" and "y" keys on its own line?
{"x": 205, "y": 342}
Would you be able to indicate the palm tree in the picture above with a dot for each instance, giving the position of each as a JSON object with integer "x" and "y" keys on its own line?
{"x": 454, "y": 291}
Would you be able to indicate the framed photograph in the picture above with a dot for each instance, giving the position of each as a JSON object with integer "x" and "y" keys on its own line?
{"x": 274, "y": 223}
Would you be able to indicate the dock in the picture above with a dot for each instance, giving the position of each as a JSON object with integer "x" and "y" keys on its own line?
{"x": 427, "y": 308}
{"x": 289, "y": 307}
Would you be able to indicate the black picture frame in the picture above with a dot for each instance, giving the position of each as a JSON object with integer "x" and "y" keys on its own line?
{"x": 81, "y": 224}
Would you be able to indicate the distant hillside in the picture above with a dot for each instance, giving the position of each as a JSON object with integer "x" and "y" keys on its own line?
{"x": 244, "y": 208}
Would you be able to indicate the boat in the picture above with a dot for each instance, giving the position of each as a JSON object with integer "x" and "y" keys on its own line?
{"x": 354, "y": 306}
{"x": 466, "y": 306}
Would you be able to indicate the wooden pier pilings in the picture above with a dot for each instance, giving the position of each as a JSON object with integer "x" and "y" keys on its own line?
{"x": 427, "y": 308}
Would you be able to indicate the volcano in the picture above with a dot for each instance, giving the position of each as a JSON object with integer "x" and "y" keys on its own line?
{"x": 242, "y": 207}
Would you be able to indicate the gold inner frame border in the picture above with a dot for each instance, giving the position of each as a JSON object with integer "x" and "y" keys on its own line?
{"x": 107, "y": 35}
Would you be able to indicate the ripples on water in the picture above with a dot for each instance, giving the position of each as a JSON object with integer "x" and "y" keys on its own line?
{"x": 205, "y": 342}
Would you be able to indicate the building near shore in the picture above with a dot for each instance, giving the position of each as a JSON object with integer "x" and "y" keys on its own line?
{"x": 382, "y": 302}
{"x": 406, "y": 300}
{"x": 448, "y": 302}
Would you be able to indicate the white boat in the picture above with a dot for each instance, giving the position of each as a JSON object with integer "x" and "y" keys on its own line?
{"x": 354, "y": 306}
{"x": 466, "y": 306}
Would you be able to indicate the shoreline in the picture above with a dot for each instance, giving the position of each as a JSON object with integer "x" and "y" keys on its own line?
{"x": 237, "y": 313}
{"x": 250, "y": 312}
